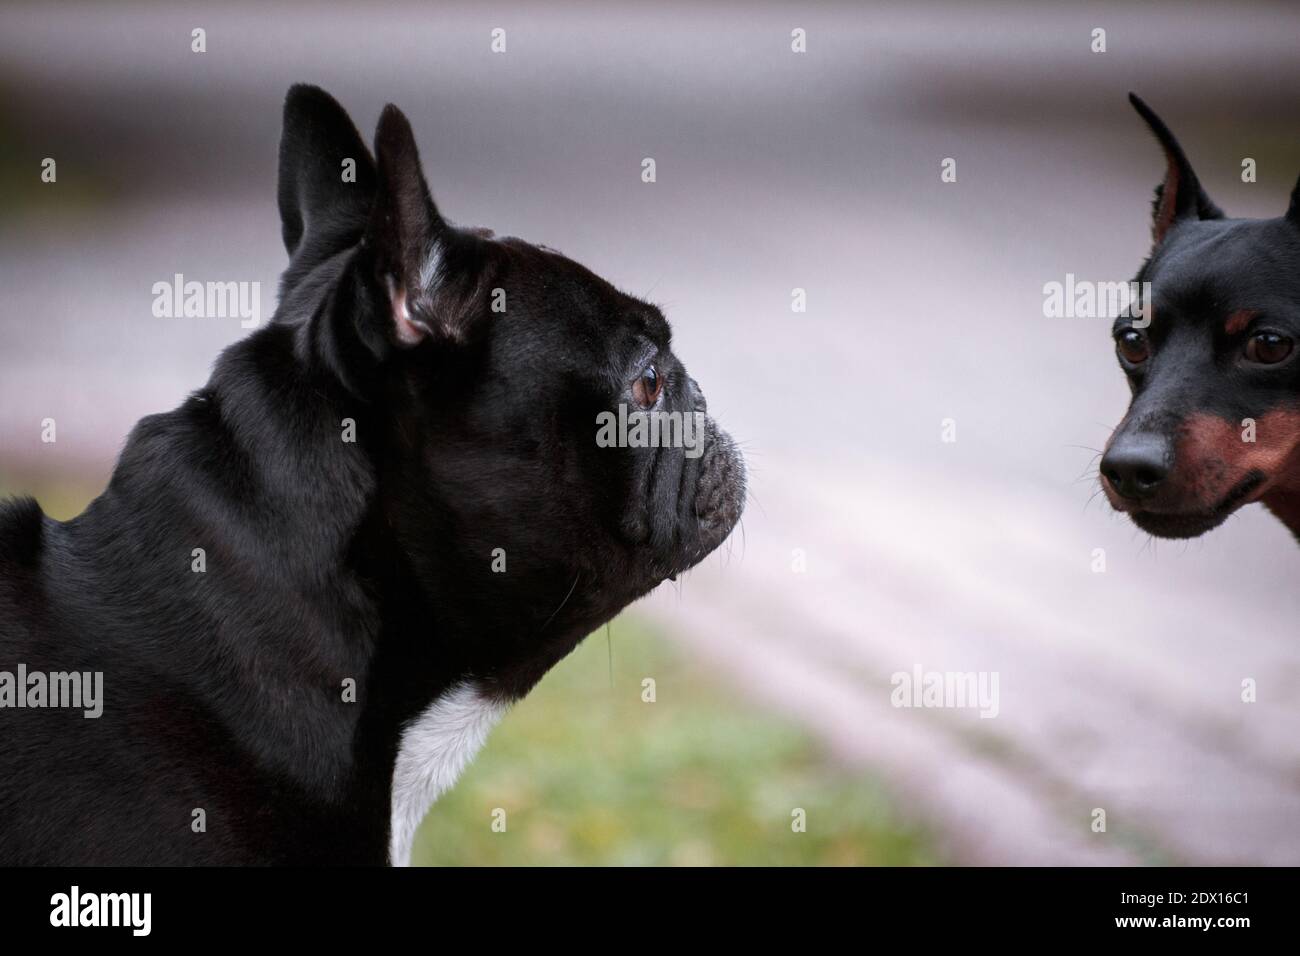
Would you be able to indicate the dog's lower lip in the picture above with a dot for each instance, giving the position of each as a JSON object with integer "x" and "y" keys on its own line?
{"x": 1231, "y": 500}
{"x": 1210, "y": 517}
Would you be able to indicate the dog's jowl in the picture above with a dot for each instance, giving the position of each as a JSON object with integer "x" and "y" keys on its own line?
{"x": 313, "y": 587}
{"x": 1214, "y": 421}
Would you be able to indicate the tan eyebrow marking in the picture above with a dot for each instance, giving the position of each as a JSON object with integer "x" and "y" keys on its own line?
{"x": 1239, "y": 320}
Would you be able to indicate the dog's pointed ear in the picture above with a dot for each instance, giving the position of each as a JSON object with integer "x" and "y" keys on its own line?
{"x": 327, "y": 177}
{"x": 1180, "y": 196}
{"x": 1293, "y": 211}
{"x": 424, "y": 266}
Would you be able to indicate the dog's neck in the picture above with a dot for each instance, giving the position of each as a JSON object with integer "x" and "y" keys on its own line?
{"x": 215, "y": 500}
{"x": 335, "y": 668}
{"x": 1284, "y": 503}
{"x": 1282, "y": 496}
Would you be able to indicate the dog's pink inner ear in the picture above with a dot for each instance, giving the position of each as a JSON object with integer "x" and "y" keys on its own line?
{"x": 409, "y": 331}
{"x": 1168, "y": 203}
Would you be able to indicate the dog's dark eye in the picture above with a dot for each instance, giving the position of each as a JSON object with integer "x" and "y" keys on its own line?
{"x": 646, "y": 388}
{"x": 1132, "y": 344}
{"x": 1268, "y": 348}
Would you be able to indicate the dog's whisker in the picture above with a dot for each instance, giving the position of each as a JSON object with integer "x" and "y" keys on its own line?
{"x": 572, "y": 588}
{"x": 1091, "y": 498}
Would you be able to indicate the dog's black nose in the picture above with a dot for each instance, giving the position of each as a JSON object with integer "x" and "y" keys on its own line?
{"x": 1135, "y": 465}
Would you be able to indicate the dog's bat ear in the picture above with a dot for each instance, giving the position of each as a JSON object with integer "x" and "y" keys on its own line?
{"x": 421, "y": 262}
{"x": 327, "y": 178}
{"x": 1180, "y": 196}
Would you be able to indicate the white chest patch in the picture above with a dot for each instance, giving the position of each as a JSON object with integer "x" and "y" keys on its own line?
{"x": 435, "y": 747}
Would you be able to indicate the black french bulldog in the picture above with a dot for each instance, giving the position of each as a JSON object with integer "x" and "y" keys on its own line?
{"x": 352, "y": 635}
{"x": 1214, "y": 421}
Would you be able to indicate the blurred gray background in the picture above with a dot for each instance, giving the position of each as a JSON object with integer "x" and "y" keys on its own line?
{"x": 1119, "y": 690}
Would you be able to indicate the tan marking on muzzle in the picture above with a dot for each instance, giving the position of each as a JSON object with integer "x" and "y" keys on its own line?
{"x": 1212, "y": 458}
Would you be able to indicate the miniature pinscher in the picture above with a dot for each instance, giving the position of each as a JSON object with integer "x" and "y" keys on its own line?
{"x": 1214, "y": 419}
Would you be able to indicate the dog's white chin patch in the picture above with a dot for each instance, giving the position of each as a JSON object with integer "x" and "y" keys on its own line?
{"x": 435, "y": 747}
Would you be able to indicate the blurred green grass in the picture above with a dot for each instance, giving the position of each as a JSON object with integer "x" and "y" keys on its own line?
{"x": 589, "y": 774}
{"x": 62, "y": 498}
